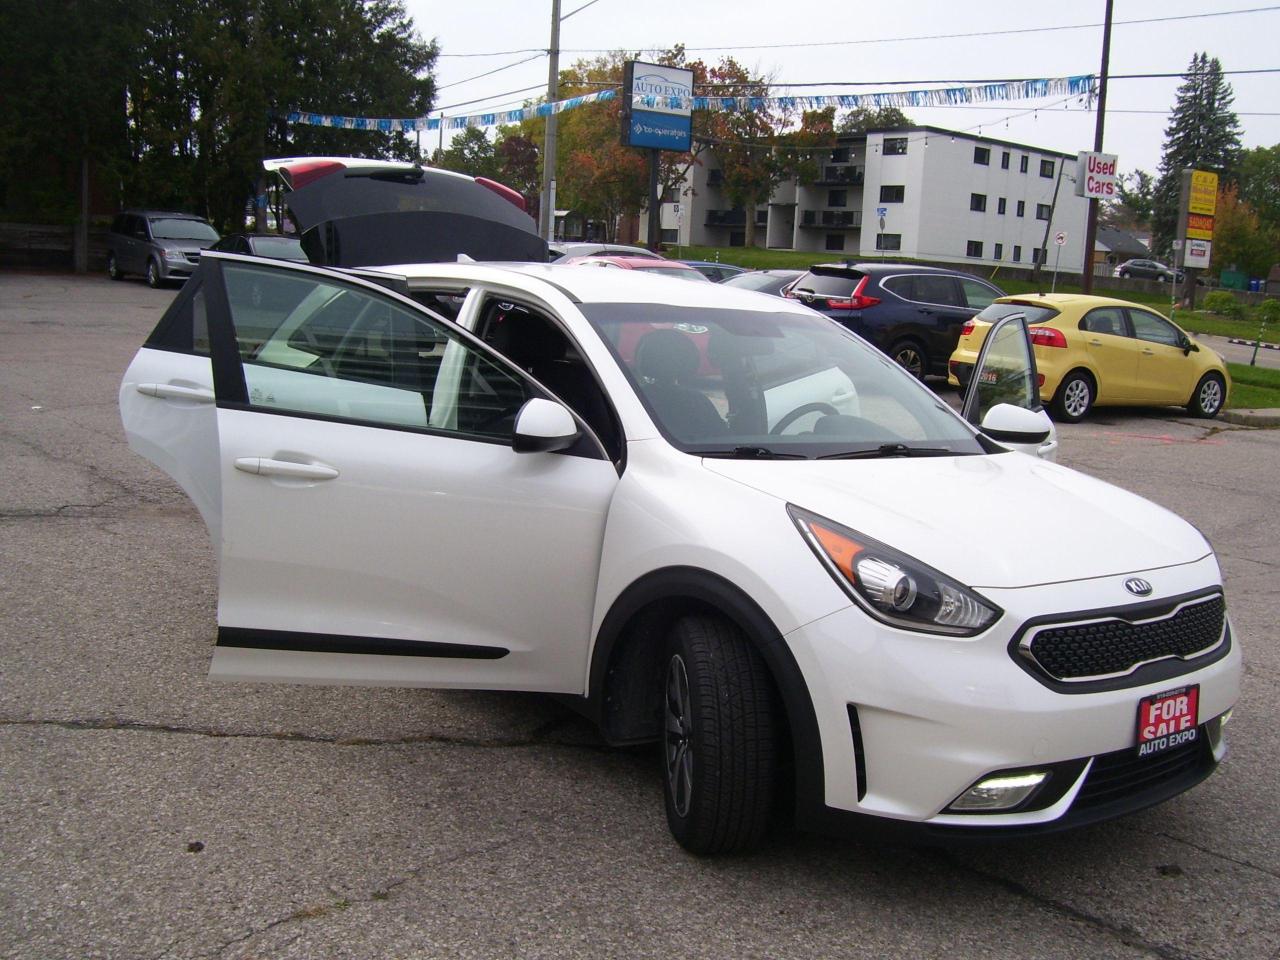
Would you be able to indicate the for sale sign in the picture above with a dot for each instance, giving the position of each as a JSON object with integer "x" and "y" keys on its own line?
{"x": 1096, "y": 175}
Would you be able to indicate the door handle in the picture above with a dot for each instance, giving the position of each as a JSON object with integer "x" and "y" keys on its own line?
{"x": 267, "y": 467}
{"x": 174, "y": 391}
{"x": 1095, "y": 343}
{"x": 1148, "y": 353}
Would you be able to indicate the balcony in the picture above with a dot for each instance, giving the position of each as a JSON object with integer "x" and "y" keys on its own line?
{"x": 848, "y": 175}
{"x": 735, "y": 218}
{"x": 839, "y": 219}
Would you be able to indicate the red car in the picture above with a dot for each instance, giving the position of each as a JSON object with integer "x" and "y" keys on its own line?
{"x": 672, "y": 268}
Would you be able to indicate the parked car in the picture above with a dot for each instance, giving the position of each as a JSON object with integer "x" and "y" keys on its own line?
{"x": 273, "y": 245}
{"x": 562, "y": 249}
{"x": 1148, "y": 270}
{"x": 657, "y": 266}
{"x": 1096, "y": 351}
{"x": 157, "y": 245}
{"x": 715, "y": 272}
{"x": 748, "y": 564}
{"x": 764, "y": 281}
{"x": 912, "y": 313}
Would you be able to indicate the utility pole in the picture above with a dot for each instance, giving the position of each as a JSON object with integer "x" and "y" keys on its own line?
{"x": 1044, "y": 244}
{"x": 1091, "y": 228}
{"x": 547, "y": 213}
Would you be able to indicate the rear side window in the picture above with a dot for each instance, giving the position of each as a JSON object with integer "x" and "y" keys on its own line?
{"x": 833, "y": 284}
{"x": 1108, "y": 320}
{"x": 978, "y": 295}
{"x": 925, "y": 288}
{"x": 184, "y": 328}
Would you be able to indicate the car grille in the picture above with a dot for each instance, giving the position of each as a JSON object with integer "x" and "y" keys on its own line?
{"x": 1113, "y": 647}
{"x": 193, "y": 258}
{"x": 1123, "y": 775}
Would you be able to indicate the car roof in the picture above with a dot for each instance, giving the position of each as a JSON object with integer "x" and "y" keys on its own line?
{"x": 600, "y": 286}
{"x": 630, "y": 263}
{"x": 1059, "y": 300}
{"x": 880, "y": 267}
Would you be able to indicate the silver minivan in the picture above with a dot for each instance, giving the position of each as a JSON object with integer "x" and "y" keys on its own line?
{"x": 157, "y": 245}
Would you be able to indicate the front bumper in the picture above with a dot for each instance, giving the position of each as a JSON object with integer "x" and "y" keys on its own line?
{"x": 908, "y": 722}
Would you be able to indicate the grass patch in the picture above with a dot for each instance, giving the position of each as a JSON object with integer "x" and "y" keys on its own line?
{"x": 1253, "y": 388}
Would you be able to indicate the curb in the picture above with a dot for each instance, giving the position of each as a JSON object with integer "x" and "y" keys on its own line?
{"x": 1250, "y": 343}
{"x": 1252, "y": 418}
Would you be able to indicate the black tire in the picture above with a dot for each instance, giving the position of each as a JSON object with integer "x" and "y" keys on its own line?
{"x": 1074, "y": 398}
{"x": 1124, "y": 274}
{"x": 153, "y": 274}
{"x": 1209, "y": 396}
{"x": 912, "y": 357}
{"x": 113, "y": 270}
{"x": 720, "y": 746}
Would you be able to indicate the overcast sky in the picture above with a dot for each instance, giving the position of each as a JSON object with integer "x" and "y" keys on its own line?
{"x": 1137, "y": 110}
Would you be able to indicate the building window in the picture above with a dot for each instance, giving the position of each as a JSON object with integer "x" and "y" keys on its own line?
{"x": 982, "y": 155}
{"x": 888, "y": 241}
{"x": 892, "y": 193}
{"x": 999, "y": 255}
{"x": 1040, "y": 255}
{"x": 1000, "y": 206}
{"x": 837, "y": 198}
{"x": 1042, "y": 211}
{"x": 974, "y": 249}
{"x": 1022, "y": 208}
{"x": 895, "y": 146}
{"x": 1047, "y": 169}
{"x": 1004, "y": 160}
{"x": 1022, "y": 164}
{"x": 978, "y": 202}
{"x": 840, "y": 155}
{"x": 1017, "y": 254}
{"x": 835, "y": 241}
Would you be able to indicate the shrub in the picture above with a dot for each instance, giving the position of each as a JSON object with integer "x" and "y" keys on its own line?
{"x": 1224, "y": 304}
{"x": 1269, "y": 312}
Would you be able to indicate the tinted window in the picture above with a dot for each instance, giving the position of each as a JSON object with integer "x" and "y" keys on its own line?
{"x": 1108, "y": 320}
{"x": 1033, "y": 313}
{"x": 979, "y": 295}
{"x": 184, "y": 327}
{"x": 829, "y": 284}
{"x": 282, "y": 248}
{"x": 315, "y": 346}
{"x": 1149, "y": 327}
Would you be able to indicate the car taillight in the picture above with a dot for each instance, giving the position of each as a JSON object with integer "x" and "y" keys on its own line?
{"x": 1039, "y": 379}
{"x": 856, "y": 300}
{"x": 1047, "y": 337}
{"x": 967, "y": 328}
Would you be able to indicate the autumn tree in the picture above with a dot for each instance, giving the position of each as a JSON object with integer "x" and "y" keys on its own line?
{"x": 1260, "y": 183}
{"x": 1241, "y": 241}
{"x": 519, "y": 160}
{"x": 861, "y": 119}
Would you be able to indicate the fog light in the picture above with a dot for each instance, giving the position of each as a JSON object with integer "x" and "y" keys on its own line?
{"x": 999, "y": 792}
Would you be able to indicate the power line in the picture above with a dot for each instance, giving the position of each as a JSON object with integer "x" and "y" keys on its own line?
{"x": 489, "y": 73}
{"x": 509, "y": 93}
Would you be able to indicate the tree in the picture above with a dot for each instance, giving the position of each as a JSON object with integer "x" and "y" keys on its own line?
{"x": 862, "y": 119}
{"x": 472, "y": 153}
{"x": 1203, "y": 134}
{"x": 1240, "y": 239}
{"x": 1260, "y": 183}
{"x": 519, "y": 160}
{"x": 1131, "y": 210}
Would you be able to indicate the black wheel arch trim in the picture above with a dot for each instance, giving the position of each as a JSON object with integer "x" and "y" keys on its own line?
{"x": 694, "y": 583}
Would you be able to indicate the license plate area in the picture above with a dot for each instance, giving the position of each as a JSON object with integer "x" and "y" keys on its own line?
{"x": 1168, "y": 720}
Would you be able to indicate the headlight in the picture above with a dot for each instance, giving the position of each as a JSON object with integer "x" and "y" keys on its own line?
{"x": 174, "y": 255}
{"x": 892, "y": 587}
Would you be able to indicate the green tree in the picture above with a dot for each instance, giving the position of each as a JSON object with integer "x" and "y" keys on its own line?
{"x": 1260, "y": 183}
{"x": 1132, "y": 207}
{"x": 1203, "y": 133}
{"x": 472, "y": 152}
{"x": 862, "y": 119}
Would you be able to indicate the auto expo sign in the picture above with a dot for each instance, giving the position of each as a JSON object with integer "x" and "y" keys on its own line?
{"x": 1096, "y": 175}
{"x": 656, "y": 110}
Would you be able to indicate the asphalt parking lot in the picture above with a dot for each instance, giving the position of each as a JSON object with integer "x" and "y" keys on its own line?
{"x": 149, "y": 812}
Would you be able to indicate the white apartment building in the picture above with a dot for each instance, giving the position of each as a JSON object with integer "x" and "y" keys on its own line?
{"x": 922, "y": 193}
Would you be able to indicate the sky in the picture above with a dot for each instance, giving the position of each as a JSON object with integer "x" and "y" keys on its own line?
{"x": 836, "y": 44}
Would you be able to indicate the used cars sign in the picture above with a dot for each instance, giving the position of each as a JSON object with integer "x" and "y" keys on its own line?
{"x": 1096, "y": 175}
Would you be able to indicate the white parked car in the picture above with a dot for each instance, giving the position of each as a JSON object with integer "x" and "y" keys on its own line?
{"x": 709, "y": 518}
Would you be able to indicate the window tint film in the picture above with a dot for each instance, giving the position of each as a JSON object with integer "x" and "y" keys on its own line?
{"x": 935, "y": 289}
{"x": 829, "y": 284}
{"x": 314, "y": 346}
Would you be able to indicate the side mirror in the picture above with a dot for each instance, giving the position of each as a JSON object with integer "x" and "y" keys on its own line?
{"x": 1016, "y": 426}
{"x": 1187, "y": 346}
{"x": 543, "y": 426}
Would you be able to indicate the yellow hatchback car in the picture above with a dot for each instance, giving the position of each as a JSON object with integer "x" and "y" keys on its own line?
{"x": 1099, "y": 351}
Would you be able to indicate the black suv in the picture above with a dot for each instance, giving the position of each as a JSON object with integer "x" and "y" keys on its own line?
{"x": 912, "y": 313}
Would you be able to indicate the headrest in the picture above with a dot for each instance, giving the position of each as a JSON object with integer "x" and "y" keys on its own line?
{"x": 666, "y": 356}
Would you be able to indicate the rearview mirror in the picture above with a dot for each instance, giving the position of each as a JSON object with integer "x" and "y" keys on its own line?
{"x": 543, "y": 426}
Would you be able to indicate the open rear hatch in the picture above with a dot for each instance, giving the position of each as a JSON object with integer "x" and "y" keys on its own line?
{"x": 355, "y": 213}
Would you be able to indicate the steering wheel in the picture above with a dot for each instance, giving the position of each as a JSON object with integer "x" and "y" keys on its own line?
{"x": 801, "y": 411}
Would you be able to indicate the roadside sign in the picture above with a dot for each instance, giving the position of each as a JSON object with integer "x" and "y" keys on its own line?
{"x": 1060, "y": 237}
{"x": 882, "y": 212}
{"x": 1199, "y": 226}
{"x": 1198, "y": 253}
{"x": 1204, "y": 193}
{"x": 1096, "y": 175}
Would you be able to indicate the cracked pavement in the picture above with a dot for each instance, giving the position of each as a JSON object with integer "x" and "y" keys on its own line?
{"x": 148, "y": 812}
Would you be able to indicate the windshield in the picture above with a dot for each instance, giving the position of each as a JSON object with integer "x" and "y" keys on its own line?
{"x": 753, "y": 383}
{"x": 1034, "y": 314}
{"x": 173, "y": 228}
{"x": 676, "y": 273}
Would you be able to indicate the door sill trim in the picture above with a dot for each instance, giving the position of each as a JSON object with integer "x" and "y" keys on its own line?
{"x": 295, "y": 642}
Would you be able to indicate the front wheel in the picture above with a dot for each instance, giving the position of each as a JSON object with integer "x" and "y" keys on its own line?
{"x": 1074, "y": 397}
{"x": 1124, "y": 274}
{"x": 720, "y": 750}
{"x": 1211, "y": 393}
{"x": 153, "y": 274}
{"x": 113, "y": 268}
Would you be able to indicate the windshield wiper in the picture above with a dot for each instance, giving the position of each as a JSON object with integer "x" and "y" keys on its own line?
{"x": 748, "y": 453}
{"x": 891, "y": 450}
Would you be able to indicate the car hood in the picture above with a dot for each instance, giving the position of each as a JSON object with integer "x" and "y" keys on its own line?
{"x": 359, "y": 213}
{"x": 1003, "y": 520}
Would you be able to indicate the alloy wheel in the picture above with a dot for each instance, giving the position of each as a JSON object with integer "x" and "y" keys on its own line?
{"x": 909, "y": 357}
{"x": 1076, "y": 400}
{"x": 1210, "y": 396}
{"x": 678, "y": 725}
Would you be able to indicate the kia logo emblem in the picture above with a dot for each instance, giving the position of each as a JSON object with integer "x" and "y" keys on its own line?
{"x": 1137, "y": 586}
